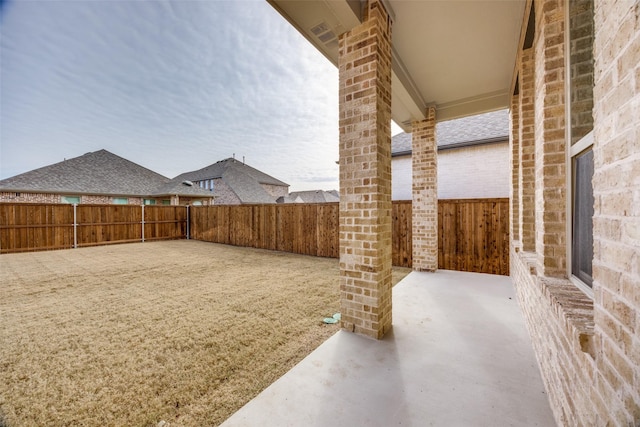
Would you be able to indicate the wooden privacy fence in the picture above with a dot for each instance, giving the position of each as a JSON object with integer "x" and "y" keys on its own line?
{"x": 35, "y": 227}
{"x": 309, "y": 229}
{"x": 473, "y": 234}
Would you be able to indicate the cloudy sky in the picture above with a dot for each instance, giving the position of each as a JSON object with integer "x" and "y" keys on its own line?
{"x": 171, "y": 85}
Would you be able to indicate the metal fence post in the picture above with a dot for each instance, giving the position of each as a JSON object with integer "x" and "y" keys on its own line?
{"x": 75, "y": 226}
{"x": 188, "y": 222}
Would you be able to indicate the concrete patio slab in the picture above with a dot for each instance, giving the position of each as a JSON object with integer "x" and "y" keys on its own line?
{"x": 458, "y": 355}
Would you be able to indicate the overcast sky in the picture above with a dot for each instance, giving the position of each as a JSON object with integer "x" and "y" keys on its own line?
{"x": 171, "y": 85}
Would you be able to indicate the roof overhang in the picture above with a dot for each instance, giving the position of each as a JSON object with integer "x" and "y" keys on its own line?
{"x": 458, "y": 56}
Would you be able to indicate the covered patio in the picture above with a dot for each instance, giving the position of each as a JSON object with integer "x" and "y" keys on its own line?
{"x": 568, "y": 72}
{"x": 458, "y": 355}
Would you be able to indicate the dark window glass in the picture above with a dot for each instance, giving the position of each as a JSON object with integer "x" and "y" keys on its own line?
{"x": 582, "y": 245}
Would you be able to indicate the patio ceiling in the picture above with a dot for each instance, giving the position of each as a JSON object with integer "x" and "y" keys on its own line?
{"x": 456, "y": 55}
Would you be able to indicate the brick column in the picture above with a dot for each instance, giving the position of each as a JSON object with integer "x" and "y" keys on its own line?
{"x": 364, "y": 64}
{"x": 514, "y": 160}
{"x": 527, "y": 175}
{"x": 425, "y": 193}
{"x": 550, "y": 151}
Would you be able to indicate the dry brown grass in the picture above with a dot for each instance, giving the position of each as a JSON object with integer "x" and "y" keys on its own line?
{"x": 181, "y": 331}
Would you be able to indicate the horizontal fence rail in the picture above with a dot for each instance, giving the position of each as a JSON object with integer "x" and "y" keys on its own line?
{"x": 308, "y": 229}
{"x": 36, "y": 227}
{"x": 473, "y": 234}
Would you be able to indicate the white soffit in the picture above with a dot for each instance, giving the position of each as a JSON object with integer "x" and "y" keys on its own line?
{"x": 458, "y": 55}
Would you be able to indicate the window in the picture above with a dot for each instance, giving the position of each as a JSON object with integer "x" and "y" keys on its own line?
{"x": 580, "y": 135}
{"x": 582, "y": 241}
{"x": 166, "y": 202}
{"x": 120, "y": 201}
{"x": 211, "y": 184}
{"x": 197, "y": 203}
{"x": 74, "y": 200}
{"x": 149, "y": 201}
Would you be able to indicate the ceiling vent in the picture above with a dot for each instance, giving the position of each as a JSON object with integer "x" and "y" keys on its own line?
{"x": 324, "y": 33}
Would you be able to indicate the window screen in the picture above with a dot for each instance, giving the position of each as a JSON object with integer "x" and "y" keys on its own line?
{"x": 582, "y": 250}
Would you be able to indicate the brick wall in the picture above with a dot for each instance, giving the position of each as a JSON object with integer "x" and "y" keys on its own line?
{"x": 364, "y": 67}
{"x": 588, "y": 349}
{"x": 275, "y": 190}
{"x": 224, "y": 194}
{"x": 616, "y": 221}
{"x": 11, "y": 197}
{"x": 96, "y": 200}
{"x": 560, "y": 321}
{"x": 550, "y": 147}
{"x": 580, "y": 48}
{"x": 514, "y": 164}
{"x": 526, "y": 172}
{"x": 475, "y": 172}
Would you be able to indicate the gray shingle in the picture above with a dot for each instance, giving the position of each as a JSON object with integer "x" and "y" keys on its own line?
{"x": 96, "y": 173}
{"x": 479, "y": 128}
{"x": 243, "y": 180}
{"x": 314, "y": 196}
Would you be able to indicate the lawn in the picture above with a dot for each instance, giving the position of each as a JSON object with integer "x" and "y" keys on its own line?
{"x": 184, "y": 332}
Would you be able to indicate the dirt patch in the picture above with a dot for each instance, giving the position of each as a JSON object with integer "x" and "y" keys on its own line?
{"x": 182, "y": 331}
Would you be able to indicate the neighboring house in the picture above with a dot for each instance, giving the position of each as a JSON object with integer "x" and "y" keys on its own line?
{"x": 100, "y": 177}
{"x": 310, "y": 196}
{"x": 234, "y": 182}
{"x": 473, "y": 158}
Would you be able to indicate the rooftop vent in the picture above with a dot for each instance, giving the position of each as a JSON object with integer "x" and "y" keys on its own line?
{"x": 187, "y": 183}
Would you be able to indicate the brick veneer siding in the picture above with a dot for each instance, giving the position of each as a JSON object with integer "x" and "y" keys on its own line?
{"x": 527, "y": 167}
{"x": 514, "y": 164}
{"x": 424, "y": 160}
{"x": 550, "y": 147}
{"x": 224, "y": 194}
{"x": 588, "y": 349}
{"x": 54, "y": 198}
{"x": 275, "y": 190}
{"x": 581, "y": 81}
{"x": 559, "y": 318}
{"x": 96, "y": 200}
{"x": 364, "y": 64}
{"x": 11, "y": 197}
{"x": 616, "y": 221}
{"x": 474, "y": 172}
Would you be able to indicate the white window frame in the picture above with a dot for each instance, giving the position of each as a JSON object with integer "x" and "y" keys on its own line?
{"x": 571, "y": 152}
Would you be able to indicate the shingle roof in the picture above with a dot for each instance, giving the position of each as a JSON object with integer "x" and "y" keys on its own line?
{"x": 243, "y": 180}
{"x": 467, "y": 130}
{"x": 314, "y": 196}
{"x": 174, "y": 187}
{"x": 99, "y": 172}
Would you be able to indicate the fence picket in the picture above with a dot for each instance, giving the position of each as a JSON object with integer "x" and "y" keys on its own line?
{"x": 472, "y": 234}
